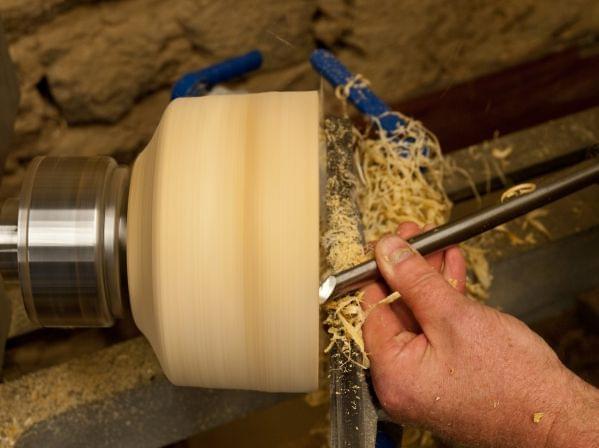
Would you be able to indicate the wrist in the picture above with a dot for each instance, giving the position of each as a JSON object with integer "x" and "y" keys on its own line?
{"x": 551, "y": 414}
{"x": 576, "y": 422}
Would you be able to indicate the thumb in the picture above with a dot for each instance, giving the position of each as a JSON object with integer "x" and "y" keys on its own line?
{"x": 425, "y": 291}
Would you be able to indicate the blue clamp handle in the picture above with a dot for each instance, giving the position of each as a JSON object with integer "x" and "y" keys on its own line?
{"x": 200, "y": 82}
{"x": 325, "y": 63}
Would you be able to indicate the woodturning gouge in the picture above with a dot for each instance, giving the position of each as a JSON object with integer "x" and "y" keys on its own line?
{"x": 460, "y": 230}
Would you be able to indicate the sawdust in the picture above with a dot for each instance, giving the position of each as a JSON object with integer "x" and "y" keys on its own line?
{"x": 342, "y": 244}
{"x": 41, "y": 395}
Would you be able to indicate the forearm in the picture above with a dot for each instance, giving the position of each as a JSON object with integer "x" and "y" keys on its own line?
{"x": 577, "y": 424}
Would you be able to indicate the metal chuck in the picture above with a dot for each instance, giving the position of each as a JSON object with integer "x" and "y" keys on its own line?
{"x": 63, "y": 240}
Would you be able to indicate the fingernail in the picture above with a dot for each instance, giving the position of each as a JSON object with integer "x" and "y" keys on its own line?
{"x": 394, "y": 250}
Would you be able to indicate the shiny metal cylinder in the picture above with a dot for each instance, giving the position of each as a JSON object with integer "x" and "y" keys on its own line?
{"x": 70, "y": 241}
{"x": 9, "y": 218}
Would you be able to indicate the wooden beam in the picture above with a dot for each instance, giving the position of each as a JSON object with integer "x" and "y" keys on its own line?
{"x": 510, "y": 100}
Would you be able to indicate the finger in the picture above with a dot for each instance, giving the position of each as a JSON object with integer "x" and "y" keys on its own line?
{"x": 405, "y": 316}
{"x": 454, "y": 268}
{"x": 436, "y": 259}
{"x": 423, "y": 290}
{"x": 381, "y": 324}
{"x": 408, "y": 229}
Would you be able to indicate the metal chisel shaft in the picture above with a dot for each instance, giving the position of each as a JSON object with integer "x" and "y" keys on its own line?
{"x": 460, "y": 230}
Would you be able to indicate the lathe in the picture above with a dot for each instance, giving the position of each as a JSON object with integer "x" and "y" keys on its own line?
{"x": 66, "y": 239}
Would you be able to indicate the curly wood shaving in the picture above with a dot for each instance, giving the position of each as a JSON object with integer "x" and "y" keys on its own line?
{"x": 529, "y": 220}
{"x": 342, "y": 91}
{"x": 357, "y": 82}
{"x": 479, "y": 267}
{"x": 386, "y": 301}
{"x": 344, "y": 321}
{"x": 402, "y": 178}
{"x": 532, "y": 218}
{"x": 518, "y": 190}
{"x": 501, "y": 153}
{"x": 515, "y": 240}
{"x": 498, "y": 169}
{"x": 477, "y": 155}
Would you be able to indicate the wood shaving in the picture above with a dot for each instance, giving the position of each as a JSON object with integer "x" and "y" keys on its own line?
{"x": 480, "y": 278}
{"x": 537, "y": 417}
{"x": 533, "y": 217}
{"x": 357, "y": 82}
{"x": 342, "y": 91}
{"x": 501, "y": 153}
{"x": 514, "y": 231}
{"x": 344, "y": 320}
{"x": 514, "y": 239}
{"x": 499, "y": 166}
{"x": 402, "y": 178}
{"x": 530, "y": 238}
{"x": 486, "y": 167}
{"x": 386, "y": 301}
{"x": 518, "y": 190}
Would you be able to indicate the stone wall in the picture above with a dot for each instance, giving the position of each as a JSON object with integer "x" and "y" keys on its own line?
{"x": 95, "y": 75}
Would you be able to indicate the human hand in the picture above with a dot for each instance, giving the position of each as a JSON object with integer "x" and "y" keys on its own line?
{"x": 468, "y": 372}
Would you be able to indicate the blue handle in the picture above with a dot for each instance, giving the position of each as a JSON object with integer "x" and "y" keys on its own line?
{"x": 325, "y": 63}
{"x": 200, "y": 82}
